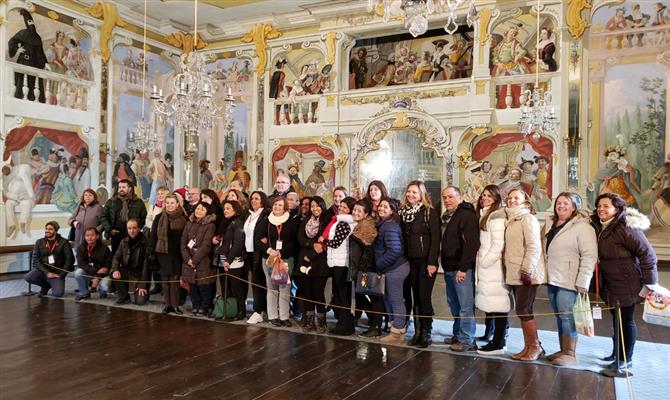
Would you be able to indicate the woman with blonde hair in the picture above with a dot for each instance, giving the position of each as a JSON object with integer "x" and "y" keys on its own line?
{"x": 524, "y": 267}
{"x": 492, "y": 295}
{"x": 238, "y": 196}
{"x": 421, "y": 230}
{"x": 570, "y": 253}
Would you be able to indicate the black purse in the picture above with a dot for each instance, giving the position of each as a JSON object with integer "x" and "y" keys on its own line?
{"x": 370, "y": 283}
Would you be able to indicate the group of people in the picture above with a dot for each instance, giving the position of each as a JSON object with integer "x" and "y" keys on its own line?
{"x": 494, "y": 255}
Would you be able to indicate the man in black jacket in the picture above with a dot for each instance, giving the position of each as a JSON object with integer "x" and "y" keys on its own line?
{"x": 130, "y": 263}
{"x": 460, "y": 243}
{"x": 52, "y": 259}
{"x": 119, "y": 210}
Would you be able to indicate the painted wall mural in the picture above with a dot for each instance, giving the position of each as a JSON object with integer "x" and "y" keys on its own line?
{"x": 234, "y": 75}
{"x": 403, "y": 59}
{"x": 298, "y": 74}
{"x": 515, "y": 51}
{"x": 629, "y": 81}
{"x": 310, "y": 168}
{"x": 44, "y": 164}
{"x": 53, "y": 42}
{"x": 147, "y": 170}
{"x": 511, "y": 160}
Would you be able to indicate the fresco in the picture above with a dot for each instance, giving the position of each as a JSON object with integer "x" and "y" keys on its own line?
{"x": 511, "y": 160}
{"x": 515, "y": 51}
{"x": 234, "y": 75}
{"x": 310, "y": 168}
{"x": 53, "y": 43}
{"x": 148, "y": 170}
{"x": 632, "y": 94}
{"x": 403, "y": 59}
{"x": 43, "y": 165}
{"x": 298, "y": 73}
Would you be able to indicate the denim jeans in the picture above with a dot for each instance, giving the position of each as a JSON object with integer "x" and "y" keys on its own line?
{"x": 562, "y": 301}
{"x": 461, "y": 300}
{"x": 393, "y": 297}
{"x": 83, "y": 280}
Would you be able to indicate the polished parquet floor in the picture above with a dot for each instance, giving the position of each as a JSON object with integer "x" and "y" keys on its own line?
{"x": 58, "y": 349}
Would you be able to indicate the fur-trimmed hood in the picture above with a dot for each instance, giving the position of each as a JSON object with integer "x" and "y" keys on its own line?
{"x": 366, "y": 231}
{"x": 633, "y": 218}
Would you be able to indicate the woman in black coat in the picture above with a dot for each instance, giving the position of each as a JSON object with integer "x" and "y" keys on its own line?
{"x": 421, "y": 230}
{"x": 231, "y": 255}
{"x": 627, "y": 262}
{"x": 166, "y": 232}
{"x": 312, "y": 270}
{"x": 362, "y": 259}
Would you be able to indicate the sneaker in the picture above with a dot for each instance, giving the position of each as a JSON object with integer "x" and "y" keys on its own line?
{"x": 80, "y": 297}
{"x": 286, "y": 323}
{"x": 43, "y": 292}
{"x": 255, "y": 318}
{"x": 123, "y": 301}
{"x": 461, "y": 347}
{"x": 491, "y": 349}
{"x": 178, "y": 311}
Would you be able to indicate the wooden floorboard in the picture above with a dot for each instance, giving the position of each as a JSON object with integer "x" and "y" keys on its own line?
{"x": 58, "y": 349}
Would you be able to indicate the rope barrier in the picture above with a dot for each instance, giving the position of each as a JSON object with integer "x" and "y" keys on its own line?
{"x": 279, "y": 293}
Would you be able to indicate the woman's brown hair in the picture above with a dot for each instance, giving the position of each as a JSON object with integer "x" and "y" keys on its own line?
{"x": 494, "y": 191}
{"x": 93, "y": 193}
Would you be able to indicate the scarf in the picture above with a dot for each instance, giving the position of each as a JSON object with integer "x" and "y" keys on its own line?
{"x": 168, "y": 220}
{"x": 326, "y": 231}
{"x": 408, "y": 212}
{"x": 278, "y": 220}
{"x": 124, "y": 208}
{"x": 312, "y": 227}
{"x": 446, "y": 217}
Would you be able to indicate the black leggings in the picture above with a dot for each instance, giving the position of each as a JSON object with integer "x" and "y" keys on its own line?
{"x": 629, "y": 329}
{"x": 371, "y": 303}
{"x": 341, "y": 291}
{"x": 252, "y": 263}
{"x": 418, "y": 288}
{"x": 313, "y": 288}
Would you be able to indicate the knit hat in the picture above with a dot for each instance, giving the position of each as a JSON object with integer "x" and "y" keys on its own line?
{"x": 181, "y": 191}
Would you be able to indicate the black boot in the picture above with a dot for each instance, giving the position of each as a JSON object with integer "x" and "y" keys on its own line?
{"x": 417, "y": 332}
{"x": 489, "y": 323}
{"x": 426, "y": 338}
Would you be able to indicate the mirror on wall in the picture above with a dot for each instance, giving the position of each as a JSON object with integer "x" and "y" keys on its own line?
{"x": 400, "y": 159}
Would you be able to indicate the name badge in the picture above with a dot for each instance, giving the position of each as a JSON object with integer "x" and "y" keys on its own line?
{"x": 51, "y": 259}
{"x": 90, "y": 264}
{"x": 279, "y": 245}
{"x": 191, "y": 244}
{"x": 597, "y": 312}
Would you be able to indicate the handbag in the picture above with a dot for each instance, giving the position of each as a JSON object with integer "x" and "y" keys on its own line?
{"x": 582, "y": 314}
{"x": 279, "y": 275}
{"x": 225, "y": 307}
{"x": 656, "y": 309}
{"x": 370, "y": 283}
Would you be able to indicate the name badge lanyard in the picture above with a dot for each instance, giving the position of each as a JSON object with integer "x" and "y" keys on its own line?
{"x": 279, "y": 241}
{"x": 51, "y": 259}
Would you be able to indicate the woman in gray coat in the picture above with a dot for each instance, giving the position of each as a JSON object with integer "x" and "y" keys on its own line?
{"x": 570, "y": 253}
{"x": 197, "y": 270}
{"x": 86, "y": 215}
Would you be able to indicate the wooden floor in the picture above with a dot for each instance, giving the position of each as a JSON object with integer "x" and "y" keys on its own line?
{"x": 57, "y": 349}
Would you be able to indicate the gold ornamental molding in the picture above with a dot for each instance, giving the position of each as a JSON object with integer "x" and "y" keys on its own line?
{"x": 331, "y": 41}
{"x": 184, "y": 41}
{"x": 484, "y": 21}
{"x": 111, "y": 19}
{"x": 573, "y": 17}
{"x": 259, "y": 35}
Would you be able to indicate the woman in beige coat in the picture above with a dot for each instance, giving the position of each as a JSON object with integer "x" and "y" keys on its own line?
{"x": 524, "y": 268}
{"x": 570, "y": 253}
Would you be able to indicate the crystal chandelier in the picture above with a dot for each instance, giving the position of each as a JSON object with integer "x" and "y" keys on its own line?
{"x": 415, "y": 12}
{"x": 192, "y": 109}
{"x": 538, "y": 116}
{"x": 141, "y": 137}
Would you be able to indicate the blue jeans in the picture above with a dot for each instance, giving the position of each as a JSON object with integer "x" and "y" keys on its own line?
{"x": 461, "y": 300}
{"x": 393, "y": 296}
{"x": 562, "y": 301}
{"x": 83, "y": 279}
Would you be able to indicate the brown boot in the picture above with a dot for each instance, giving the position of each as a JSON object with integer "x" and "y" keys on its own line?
{"x": 552, "y": 356}
{"x": 535, "y": 349}
{"x": 397, "y": 336}
{"x": 526, "y": 340}
{"x": 569, "y": 345}
{"x": 321, "y": 326}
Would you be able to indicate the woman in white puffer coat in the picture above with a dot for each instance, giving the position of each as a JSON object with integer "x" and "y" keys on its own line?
{"x": 492, "y": 295}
